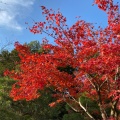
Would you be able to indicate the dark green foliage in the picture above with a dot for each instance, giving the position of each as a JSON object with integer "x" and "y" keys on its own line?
{"x": 5, "y": 55}
{"x": 67, "y": 69}
{"x": 14, "y": 56}
{"x": 28, "y": 110}
{"x": 8, "y": 60}
{"x": 34, "y": 46}
{"x": 91, "y": 106}
{"x": 39, "y": 108}
{"x": 73, "y": 116}
{"x": 6, "y": 111}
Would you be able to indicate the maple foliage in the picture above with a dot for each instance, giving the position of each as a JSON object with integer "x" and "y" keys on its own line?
{"x": 82, "y": 61}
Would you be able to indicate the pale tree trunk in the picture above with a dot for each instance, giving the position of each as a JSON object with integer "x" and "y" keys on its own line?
{"x": 102, "y": 110}
{"x": 103, "y": 113}
{"x": 113, "y": 112}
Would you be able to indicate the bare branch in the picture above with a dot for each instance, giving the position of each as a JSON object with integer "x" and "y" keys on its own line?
{"x": 85, "y": 110}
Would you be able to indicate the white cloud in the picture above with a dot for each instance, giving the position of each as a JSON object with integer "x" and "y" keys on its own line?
{"x": 10, "y": 10}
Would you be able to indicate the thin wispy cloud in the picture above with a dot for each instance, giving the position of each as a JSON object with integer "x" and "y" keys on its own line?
{"x": 10, "y": 10}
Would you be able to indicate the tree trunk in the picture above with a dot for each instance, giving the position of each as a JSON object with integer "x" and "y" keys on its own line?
{"x": 103, "y": 113}
{"x": 113, "y": 112}
{"x": 102, "y": 110}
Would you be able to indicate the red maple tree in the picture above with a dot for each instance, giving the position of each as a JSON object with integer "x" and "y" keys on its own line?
{"x": 82, "y": 61}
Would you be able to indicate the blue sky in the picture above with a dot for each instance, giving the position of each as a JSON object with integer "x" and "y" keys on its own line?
{"x": 14, "y": 14}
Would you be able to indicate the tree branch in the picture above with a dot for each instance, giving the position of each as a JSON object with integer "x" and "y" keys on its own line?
{"x": 85, "y": 110}
{"x": 72, "y": 107}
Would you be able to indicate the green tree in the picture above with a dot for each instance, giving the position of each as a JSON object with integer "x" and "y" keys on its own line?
{"x": 28, "y": 110}
{"x": 34, "y": 46}
{"x": 8, "y": 60}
